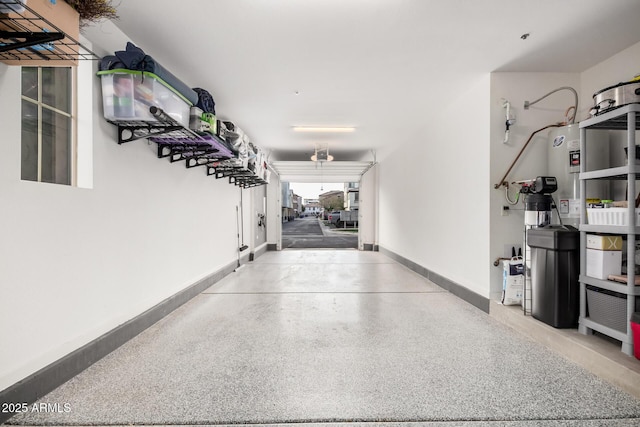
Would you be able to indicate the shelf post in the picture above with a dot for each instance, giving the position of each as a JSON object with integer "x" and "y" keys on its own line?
{"x": 583, "y": 234}
{"x": 627, "y": 345}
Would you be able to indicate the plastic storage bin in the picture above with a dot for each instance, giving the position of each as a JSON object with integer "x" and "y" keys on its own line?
{"x": 555, "y": 267}
{"x": 127, "y": 95}
{"x": 608, "y": 308}
{"x": 610, "y": 216}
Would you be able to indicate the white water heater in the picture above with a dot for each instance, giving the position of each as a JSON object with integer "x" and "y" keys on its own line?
{"x": 564, "y": 158}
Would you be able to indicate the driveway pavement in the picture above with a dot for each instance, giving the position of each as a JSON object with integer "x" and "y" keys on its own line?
{"x": 311, "y": 233}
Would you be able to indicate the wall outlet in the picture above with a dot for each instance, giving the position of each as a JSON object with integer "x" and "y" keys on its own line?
{"x": 507, "y": 249}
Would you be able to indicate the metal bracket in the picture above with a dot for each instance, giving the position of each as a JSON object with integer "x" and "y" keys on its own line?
{"x": 138, "y": 131}
{"x": 29, "y": 39}
{"x": 26, "y": 35}
{"x": 178, "y": 143}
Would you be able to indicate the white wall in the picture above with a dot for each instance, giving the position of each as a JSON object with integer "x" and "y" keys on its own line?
{"x": 78, "y": 262}
{"x": 84, "y": 120}
{"x": 274, "y": 211}
{"x": 516, "y": 88}
{"x": 434, "y": 197}
{"x": 621, "y": 67}
{"x": 368, "y": 211}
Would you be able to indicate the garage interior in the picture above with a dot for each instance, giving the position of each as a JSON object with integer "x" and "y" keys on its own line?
{"x": 135, "y": 269}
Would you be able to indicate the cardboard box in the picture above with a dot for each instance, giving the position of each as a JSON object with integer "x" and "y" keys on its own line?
{"x": 600, "y": 264}
{"x": 604, "y": 242}
{"x": 56, "y": 16}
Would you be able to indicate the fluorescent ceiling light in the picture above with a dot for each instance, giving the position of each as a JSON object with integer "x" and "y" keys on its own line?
{"x": 322, "y": 129}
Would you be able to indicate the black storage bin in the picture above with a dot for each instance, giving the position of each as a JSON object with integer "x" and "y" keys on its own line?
{"x": 555, "y": 267}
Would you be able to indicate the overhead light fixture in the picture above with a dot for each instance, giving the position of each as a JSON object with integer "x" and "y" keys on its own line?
{"x": 320, "y": 158}
{"x": 323, "y": 129}
{"x": 322, "y": 155}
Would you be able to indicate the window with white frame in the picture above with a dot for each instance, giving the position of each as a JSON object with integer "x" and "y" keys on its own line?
{"x": 48, "y": 126}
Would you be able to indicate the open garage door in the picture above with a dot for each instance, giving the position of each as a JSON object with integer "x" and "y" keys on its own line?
{"x": 305, "y": 171}
{"x": 313, "y": 213}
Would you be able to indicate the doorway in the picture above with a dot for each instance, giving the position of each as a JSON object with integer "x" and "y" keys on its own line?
{"x": 319, "y": 215}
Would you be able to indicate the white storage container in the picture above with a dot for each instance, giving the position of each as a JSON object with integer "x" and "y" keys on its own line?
{"x": 610, "y": 216}
{"x": 601, "y": 264}
{"x": 127, "y": 95}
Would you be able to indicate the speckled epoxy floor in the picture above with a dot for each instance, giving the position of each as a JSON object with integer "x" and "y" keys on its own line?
{"x": 334, "y": 336}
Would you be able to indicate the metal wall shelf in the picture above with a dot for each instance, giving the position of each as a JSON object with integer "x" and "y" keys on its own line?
{"x": 619, "y": 173}
{"x": 610, "y": 285}
{"x": 612, "y": 229}
{"x": 29, "y": 36}
{"x": 237, "y": 175}
{"x": 616, "y": 119}
{"x": 589, "y": 323}
{"x": 625, "y": 118}
{"x": 178, "y": 143}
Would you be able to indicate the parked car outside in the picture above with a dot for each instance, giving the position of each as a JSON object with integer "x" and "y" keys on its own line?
{"x": 344, "y": 218}
{"x": 334, "y": 217}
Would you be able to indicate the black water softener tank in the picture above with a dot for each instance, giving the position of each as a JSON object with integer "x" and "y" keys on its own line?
{"x": 555, "y": 267}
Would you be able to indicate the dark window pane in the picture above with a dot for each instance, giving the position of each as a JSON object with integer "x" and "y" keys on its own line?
{"x": 30, "y": 82}
{"x": 56, "y": 148}
{"x": 56, "y": 82}
{"x": 29, "y": 152}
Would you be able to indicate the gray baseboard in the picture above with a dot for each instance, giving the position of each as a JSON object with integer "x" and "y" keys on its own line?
{"x": 370, "y": 247}
{"x": 245, "y": 257}
{"x": 260, "y": 250}
{"x": 272, "y": 246}
{"x": 458, "y": 290}
{"x": 50, "y": 377}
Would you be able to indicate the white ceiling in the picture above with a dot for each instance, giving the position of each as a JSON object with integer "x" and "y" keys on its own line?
{"x": 378, "y": 65}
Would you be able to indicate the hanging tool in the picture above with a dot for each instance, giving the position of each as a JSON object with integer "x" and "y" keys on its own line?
{"x": 238, "y": 221}
{"x": 243, "y": 246}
